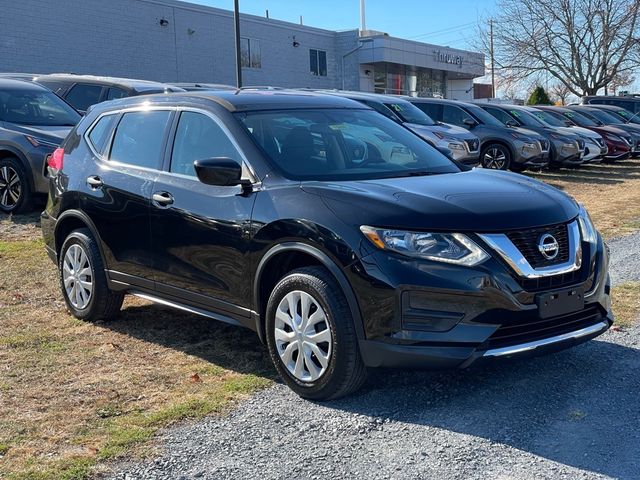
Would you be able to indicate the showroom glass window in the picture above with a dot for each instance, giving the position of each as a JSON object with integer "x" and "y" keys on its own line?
{"x": 318, "y": 62}
{"x": 139, "y": 137}
{"x": 250, "y": 53}
{"x": 198, "y": 137}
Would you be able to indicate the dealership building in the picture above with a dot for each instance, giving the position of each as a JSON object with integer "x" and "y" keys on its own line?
{"x": 174, "y": 41}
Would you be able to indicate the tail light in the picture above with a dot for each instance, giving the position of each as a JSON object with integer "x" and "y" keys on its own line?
{"x": 56, "y": 160}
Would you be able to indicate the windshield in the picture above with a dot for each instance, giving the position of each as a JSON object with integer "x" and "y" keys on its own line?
{"x": 409, "y": 113}
{"x": 580, "y": 119}
{"x": 342, "y": 144}
{"x": 628, "y": 116}
{"x": 548, "y": 118}
{"x": 36, "y": 107}
{"x": 605, "y": 117}
{"x": 483, "y": 116}
{"x": 525, "y": 118}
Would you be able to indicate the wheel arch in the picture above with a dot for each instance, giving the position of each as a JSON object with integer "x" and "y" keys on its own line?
{"x": 285, "y": 257}
{"x": 69, "y": 221}
{"x": 499, "y": 141}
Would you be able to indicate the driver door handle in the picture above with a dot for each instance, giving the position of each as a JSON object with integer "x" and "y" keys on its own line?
{"x": 94, "y": 181}
{"x": 163, "y": 199}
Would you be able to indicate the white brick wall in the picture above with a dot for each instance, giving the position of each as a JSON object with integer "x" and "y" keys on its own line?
{"x": 124, "y": 38}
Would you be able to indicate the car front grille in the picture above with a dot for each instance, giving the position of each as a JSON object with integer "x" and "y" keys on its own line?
{"x": 531, "y": 328}
{"x": 552, "y": 281}
{"x": 527, "y": 242}
{"x": 544, "y": 145}
{"x": 473, "y": 145}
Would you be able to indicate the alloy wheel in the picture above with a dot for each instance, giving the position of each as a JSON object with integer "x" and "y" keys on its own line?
{"x": 495, "y": 158}
{"x": 303, "y": 336}
{"x": 77, "y": 277}
{"x": 10, "y": 187}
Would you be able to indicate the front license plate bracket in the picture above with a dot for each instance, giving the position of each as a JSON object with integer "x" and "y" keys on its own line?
{"x": 561, "y": 302}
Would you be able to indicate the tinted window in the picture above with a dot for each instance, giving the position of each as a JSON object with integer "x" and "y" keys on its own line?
{"x": 604, "y": 116}
{"x": 501, "y": 115}
{"x": 454, "y": 115}
{"x": 380, "y": 108}
{"x": 318, "y": 62}
{"x": 342, "y": 144}
{"x": 198, "y": 137}
{"x": 549, "y": 118}
{"x": 99, "y": 133}
{"x": 56, "y": 86}
{"x": 115, "y": 93}
{"x": 36, "y": 107}
{"x": 580, "y": 119}
{"x": 409, "y": 113}
{"x": 483, "y": 116}
{"x": 525, "y": 118}
{"x": 432, "y": 109}
{"x": 82, "y": 96}
{"x": 139, "y": 137}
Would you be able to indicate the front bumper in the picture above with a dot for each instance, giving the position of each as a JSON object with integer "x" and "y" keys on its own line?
{"x": 440, "y": 316}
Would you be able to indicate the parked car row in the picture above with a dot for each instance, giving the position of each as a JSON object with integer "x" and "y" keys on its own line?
{"x": 496, "y": 136}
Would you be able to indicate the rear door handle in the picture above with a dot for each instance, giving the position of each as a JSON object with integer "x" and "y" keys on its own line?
{"x": 94, "y": 181}
{"x": 163, "y": 199}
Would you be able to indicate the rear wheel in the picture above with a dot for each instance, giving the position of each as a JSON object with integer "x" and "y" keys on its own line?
{"x": 15, "y": 191}
{"x": 83, "y": 281}
{"x": 311, "y": 336}
{"x": 496, "y": 156}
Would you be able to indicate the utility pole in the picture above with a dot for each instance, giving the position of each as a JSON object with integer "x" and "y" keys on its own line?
{"x": 236, "y": 19}
{"x": 493, "y": 64}
{"x": 363, "y": 24}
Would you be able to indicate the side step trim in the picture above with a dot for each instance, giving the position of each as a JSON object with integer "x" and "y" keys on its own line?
{"x": 185, "y": 308}
{"x": 525, "y": 347}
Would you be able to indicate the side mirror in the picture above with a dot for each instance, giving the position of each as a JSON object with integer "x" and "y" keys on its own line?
{"x": 469, "y": 122}
{"x": 511, "y": 123}
{"x": 219, "y": 171}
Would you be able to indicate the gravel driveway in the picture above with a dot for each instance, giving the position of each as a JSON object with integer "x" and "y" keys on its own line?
{"x": 575, "y": 414}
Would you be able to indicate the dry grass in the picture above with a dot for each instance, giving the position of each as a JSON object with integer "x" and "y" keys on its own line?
{"x": 626, "y": 303}
{"x": 611, "y": 193}
{"x": 75, "y": 393}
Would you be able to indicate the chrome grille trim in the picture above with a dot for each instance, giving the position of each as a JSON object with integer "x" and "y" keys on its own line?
{"x": 503, "y": 246}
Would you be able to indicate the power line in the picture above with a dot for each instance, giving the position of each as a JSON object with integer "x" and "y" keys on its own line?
{"x": 444, "y": 30}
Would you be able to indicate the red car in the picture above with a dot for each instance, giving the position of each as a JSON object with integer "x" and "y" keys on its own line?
{"x": 619, "y": 142}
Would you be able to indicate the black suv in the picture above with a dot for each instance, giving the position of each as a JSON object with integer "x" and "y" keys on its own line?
{"x": 501, "y": 147}
{"x": 33, "y": 123}
{"x": 82, "y": 91}
{"x": 252, "y": 208}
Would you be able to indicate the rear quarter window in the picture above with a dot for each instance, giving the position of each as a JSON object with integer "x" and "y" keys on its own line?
{"x": 100, "y": 132}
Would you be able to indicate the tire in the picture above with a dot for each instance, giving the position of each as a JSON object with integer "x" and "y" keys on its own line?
{"x": 496, "y": 156}
{"x": 343, "y": 371}
{"x": 97, "y": 303}
{"x": 15, "y": 189}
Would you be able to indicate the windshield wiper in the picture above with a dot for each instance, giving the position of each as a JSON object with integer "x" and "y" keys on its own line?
{"x": 420, "y": 173}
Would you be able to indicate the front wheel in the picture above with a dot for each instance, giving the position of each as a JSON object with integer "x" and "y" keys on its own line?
{"x": 311, "y": 336}
{"x": 496, "y": 156}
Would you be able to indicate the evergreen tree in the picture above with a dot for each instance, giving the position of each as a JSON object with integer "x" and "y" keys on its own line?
{"x": 539, "y": 97}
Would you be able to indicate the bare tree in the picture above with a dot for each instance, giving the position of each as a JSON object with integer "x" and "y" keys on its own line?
{"x": 584, "y": 44}
{"x": 621, "y": 80}
{"x": 561, "y": 92}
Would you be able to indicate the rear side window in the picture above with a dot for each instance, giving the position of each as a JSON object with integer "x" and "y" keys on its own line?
{"x": 100, "y": 132}
{"x": 454, "y": 115}
{"x": 139, "y": 138}
{"x": 82, "y": 96}
{"x": 198, "y": 137}
{"x": 115, "y": 93}
{"x": 431, "y": 109}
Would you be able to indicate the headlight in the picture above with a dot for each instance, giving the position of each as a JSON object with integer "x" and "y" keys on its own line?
{"x": 455, "y": 146}
{"x": 453, "y": 248}
{"x": 529, "y": 146}
{"x": 589, "y": 232}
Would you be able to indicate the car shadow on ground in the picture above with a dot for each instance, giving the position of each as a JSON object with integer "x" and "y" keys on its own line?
{"x": 579, "y": 407}
{"x": 230, "y": 347}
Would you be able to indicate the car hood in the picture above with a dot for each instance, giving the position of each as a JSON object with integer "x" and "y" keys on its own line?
{"x": 585, "y": 132}
{"x": 52, "y": 133}
{"x": 477, "y": 200}
{"x": 445, "y": 128}
{"x": 502, "y": 131}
